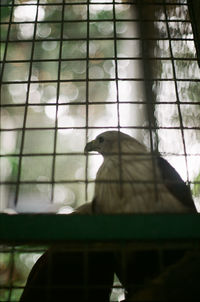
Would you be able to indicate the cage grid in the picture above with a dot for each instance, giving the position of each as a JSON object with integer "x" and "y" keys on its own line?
{"x": 101, "y": 234}
{"x": 100, "y": 49}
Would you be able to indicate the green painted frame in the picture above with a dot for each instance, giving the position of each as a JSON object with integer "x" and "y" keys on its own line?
{"x": 55, "y": 228}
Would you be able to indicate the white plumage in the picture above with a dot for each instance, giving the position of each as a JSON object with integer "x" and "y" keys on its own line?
{"x": 129, "y": 180}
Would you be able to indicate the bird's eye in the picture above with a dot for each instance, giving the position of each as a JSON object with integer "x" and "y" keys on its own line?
{"x": 101, "y": 139}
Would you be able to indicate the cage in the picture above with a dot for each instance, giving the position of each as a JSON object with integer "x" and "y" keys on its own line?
{"x": 69, "y": 71}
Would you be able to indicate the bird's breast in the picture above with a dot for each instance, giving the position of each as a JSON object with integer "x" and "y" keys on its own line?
{"x": 130, "y": 185}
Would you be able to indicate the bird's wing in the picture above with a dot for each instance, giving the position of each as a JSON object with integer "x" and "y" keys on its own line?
{"x": 85, "y": 209}
{"x": 175, "y": 184}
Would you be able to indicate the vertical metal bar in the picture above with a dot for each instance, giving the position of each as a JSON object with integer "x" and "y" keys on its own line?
{"x": 49, "y": 285}
{"x": 85, "y": 259}
{"x": 57, "y": 102}
{"x": 11, "y": 271}
{"x": 7, "y": 40}
{"x": 87, "y": 95}
{"x": 117, "y": 100}
{"x": 26, "y": 108}
{"x": 116, "y": 65}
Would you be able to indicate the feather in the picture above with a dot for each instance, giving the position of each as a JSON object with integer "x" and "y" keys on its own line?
{"x": 175, "y": 184}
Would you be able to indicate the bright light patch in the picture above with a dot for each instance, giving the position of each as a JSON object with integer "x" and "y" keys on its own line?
{"x": 5, "y": 168}
{"x": 95, "y": 161}
{"x": 65, "y": 210}
{"x": 28, "y": 12}
{"x": 63, "y": 194}
{"x": 50, "y": 110}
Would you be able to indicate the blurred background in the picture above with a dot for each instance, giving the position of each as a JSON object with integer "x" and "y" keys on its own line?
{"x": 70, "y": 70}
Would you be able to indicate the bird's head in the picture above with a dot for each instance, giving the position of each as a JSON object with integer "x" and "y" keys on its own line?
{"x": 110, "y": 142}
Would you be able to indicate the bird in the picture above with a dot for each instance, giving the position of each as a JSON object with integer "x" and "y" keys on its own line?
{"x": 132, "y": 179}
{"x": 61, "y": 274}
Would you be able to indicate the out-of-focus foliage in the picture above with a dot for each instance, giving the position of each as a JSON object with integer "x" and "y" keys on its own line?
{"x": 185, "y": 70}
{"x": 67, "y": 40}
{"x": 196, "y": 189}
{"x": 14, "y": 269}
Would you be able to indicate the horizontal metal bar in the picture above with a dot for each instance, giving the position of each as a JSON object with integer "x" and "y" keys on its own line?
{"x": 101, "y": 59}
{"x": 66, "y": 3}
{"x": 81, "y": 153}
{"x": 30, "y": 227}
{"x": 95, "y": 3}
{"x": 101, "y": 80}
{"x": 103, "y": 127}
{"x": 78, "y": 181}
{"x": 98, "y": 103}
{"x": 98, "y": 39}
{"x": 95, "y": 21}
{"x": 90, "y": 181}
{"x": 81, "y": 39}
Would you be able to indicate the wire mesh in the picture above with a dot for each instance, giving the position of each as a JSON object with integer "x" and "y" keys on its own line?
{"x": 69, "y": 271}
{"x": 72, "y": 69}
{"x": 101, "y": 30}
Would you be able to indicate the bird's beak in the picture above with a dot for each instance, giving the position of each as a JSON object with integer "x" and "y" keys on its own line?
{"x": 90, "y": 146}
